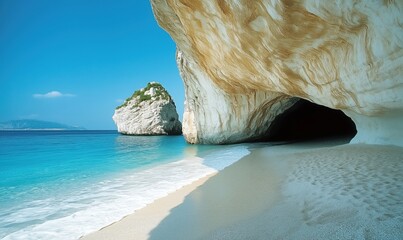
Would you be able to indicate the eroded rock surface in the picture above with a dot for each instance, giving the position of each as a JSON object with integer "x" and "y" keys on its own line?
{"x": 149, "y": 111}
{"x": 242, "y": 63}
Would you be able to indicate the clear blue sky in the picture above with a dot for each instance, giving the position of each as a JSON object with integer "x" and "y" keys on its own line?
{"x": 70, "y": 61}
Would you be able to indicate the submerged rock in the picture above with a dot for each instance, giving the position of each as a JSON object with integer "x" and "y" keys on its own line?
{"x": 245, "y": 62}
{"x": 149, "y": 111}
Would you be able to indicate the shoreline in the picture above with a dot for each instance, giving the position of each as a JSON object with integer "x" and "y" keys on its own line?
{"x": 99, "y": 182}
{"x": 219, "y": 206}
{"x": 141, "y": 222}
{"x": 196, "y": 169}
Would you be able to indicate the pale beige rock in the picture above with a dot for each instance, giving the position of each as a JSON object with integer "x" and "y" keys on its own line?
{"x": 154, "y": 116}
{"x": 213, "y": 116}
{"x": 241, "y": 61}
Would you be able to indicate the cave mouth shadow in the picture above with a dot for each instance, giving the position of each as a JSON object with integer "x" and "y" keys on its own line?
{"x": 307, "y": 121}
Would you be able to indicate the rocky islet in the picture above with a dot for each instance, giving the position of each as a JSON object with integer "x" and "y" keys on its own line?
{"x": 149, "y": 111}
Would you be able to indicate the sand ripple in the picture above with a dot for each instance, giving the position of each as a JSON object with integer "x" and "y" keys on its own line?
{"x": 344, "y": 192}
{"x": 352, "y": 191}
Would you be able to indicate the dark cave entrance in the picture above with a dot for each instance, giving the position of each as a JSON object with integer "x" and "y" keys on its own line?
{"x": 309, "y": 121}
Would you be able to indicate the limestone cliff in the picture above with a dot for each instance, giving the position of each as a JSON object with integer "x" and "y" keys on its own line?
{"x": 244, "y": 62}
{"x": 149, "y": 111}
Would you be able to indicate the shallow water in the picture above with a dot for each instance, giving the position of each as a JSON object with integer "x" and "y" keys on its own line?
{"x": 64, "y": 184}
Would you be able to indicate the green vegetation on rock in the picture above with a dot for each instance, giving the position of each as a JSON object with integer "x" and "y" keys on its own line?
{"x": 160, "y": 94}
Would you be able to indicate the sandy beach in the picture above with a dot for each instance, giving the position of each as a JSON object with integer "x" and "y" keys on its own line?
{"x": 294, "y": 191}
{"x": 139, "y": 224}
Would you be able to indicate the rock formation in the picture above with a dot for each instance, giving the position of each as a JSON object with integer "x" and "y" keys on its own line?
{"x": 149, "y": 111}
{"x": 244, "y": 62}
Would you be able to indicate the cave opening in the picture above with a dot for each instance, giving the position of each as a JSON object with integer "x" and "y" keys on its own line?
{"x": 307, "y": 121}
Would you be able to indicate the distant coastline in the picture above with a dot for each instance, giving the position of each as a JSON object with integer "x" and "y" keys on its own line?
{"x": 34, "y": 125}
{"x": 58, "y": 130}
{"x": 45, "y": 129}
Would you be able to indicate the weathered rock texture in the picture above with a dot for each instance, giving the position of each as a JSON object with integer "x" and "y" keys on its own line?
{"x": 243, "y": 61}
{"x": 149, "y": 111}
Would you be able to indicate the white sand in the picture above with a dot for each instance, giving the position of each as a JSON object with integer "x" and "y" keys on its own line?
{"x": 294, "y": 192}
{"x": 299, "y": 191}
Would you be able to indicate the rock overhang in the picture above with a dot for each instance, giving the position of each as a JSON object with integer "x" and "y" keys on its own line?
{"x": 243, "y": 62}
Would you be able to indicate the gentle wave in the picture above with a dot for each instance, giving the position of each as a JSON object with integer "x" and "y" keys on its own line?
{"x": 108, "y": 201}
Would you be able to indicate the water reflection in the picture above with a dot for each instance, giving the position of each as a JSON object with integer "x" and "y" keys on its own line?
{"x": 136, "y": 151}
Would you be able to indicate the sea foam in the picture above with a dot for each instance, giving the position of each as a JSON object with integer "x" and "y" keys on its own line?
{"x": 107, "y": 201}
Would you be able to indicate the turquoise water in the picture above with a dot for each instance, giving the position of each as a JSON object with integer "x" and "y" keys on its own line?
{"x": 35, "y": 164}
{"x": 55, "y": 184}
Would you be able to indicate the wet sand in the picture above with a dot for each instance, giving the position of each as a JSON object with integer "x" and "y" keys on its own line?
{"x": 139, "y": 224}
{"x": 297, "y": 191}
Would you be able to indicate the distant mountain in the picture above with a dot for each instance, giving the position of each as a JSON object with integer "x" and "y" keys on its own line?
{"x": 29, "y": 124}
